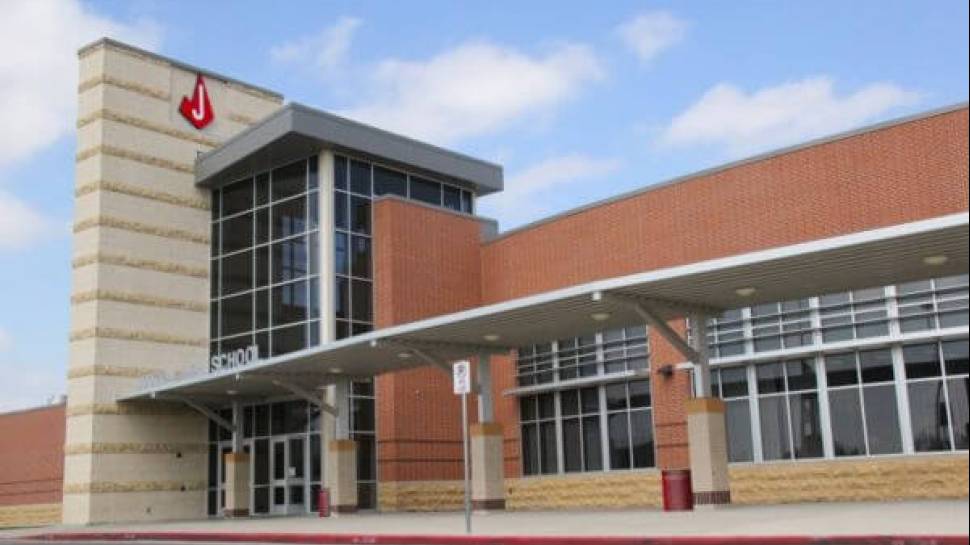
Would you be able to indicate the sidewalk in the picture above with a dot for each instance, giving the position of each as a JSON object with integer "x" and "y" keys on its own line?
{"x": 926, "y": 518}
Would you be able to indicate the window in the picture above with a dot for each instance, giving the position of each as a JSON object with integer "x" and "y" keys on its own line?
{"x": 731, "y": 385}
{"x": 789, "y": 410}
{"x": 264, "y": 261}
{"x": 622, "y": 349}
{"x": 928, "y": 304}
{"x": 363, "y": 431}
{"x": 725, "y": 334}
{"x": 936, "y": 377}
{"x": 356, "y": 183}
{"x": 862, "y": 403}
{"x": 854, "y": 315}
{"x": 538, "y": 417}
{"x": 390, "y": 182}
{"x": 425, "y": 191}
{"x": 582, "y": 445}
{"x": 625, "y": 349}
{"x": 624, "y": 407}
{"x": 781, "y": 325}
{"x": 629, "y": 424}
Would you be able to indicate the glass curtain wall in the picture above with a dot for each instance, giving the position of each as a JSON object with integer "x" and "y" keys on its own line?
{"x": 606, "y": 425}
{"x": 264, "y": 269}
{"x": 356, "y": 184}
{"x": 880, "y": 371}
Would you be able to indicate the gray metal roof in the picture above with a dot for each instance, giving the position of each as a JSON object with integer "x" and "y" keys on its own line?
{"x": 296, "y": 131}
{"x": 869, "y": 258}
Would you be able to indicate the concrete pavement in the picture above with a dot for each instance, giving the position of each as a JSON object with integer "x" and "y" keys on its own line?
{"x": 822, "y": 519}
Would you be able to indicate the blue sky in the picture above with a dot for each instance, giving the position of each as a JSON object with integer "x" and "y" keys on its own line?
{"x": 576, "y": 103}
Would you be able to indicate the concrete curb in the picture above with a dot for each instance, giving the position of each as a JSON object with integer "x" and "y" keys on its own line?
{"x": 416, "y": 539}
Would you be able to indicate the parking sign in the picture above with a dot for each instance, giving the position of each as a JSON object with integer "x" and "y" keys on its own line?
{"x": 462, "y": 377}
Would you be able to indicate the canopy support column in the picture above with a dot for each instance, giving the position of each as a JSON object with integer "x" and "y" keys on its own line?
{"x": 237, "y": 469}
{"x": 487, "y": 445}
{"x": 706, "y": 437}
{"x": 706, "y": 428}
{"x": 341, "y": 451}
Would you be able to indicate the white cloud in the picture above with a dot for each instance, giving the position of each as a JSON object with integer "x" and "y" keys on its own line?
{"x": 475, "y": 88}
{"x": 19, "y": 223}
{"x": 324, "y": 51}
{"x": 527, "y": 192}
{"x": 38, "y": 68}
{"x": 6, "y": 341}
{"x": 650, "y": 33}
{"x": 772, "y": 117}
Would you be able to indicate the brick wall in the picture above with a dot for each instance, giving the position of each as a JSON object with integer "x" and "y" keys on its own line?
{"x": 426, "y": 262}
{"x": 898, "y": 174}
{"x": 32, "y": 456}
{"x": 431, "y": 262}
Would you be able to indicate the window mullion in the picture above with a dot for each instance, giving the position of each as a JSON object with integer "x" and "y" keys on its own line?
{"x": 902, "y": 399}
{"x": 825, "y": 416}
{"x": 560, "y": 456}
{"x": 946, "y": 395}
{"x": 755, "y": 408}
{"x": 604, "y": 427}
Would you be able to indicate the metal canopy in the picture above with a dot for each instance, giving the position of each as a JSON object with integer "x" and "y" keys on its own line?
{"x": 295, "y": 131}
{"x": 864, "y": 259}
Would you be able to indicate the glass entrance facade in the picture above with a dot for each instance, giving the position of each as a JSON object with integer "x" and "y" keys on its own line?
{"x": 265, "y": 278}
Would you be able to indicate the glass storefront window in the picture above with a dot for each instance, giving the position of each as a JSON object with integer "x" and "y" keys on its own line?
{"x": 265, "y": 240}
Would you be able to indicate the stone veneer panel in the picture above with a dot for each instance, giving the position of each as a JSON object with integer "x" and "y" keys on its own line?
{"x": 140, "y": 291}
{"x": 34, "y": 514}
{"x": 872, "y": 479}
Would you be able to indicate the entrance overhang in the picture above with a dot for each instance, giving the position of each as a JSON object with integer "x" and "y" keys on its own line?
{"x": 929, "y": 248}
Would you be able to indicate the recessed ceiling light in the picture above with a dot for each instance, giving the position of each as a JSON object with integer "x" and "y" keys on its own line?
{"x": 491, "y": 337}
{"x": 935, "y": 260}
{"x": 745, "y": 292}
{"x": 600, "y": 316}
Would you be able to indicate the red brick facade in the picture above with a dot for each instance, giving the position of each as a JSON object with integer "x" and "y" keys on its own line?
{"x": 32, "y": 456}
{"x": 430, "y": 262}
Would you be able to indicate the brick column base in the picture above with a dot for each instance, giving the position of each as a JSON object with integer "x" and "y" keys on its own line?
{"x": 237, "y": 484}
{"x": 488, "y": 467}
{"x": 342, "y": 475}
{"x": 707, "y": 445}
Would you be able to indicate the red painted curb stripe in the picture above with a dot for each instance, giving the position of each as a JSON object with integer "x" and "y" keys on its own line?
{"x": 413, "y": 539}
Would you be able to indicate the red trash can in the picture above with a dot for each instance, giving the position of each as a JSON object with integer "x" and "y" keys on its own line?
{"x": 323, "y": 502}
{"x": 678, "y": 494}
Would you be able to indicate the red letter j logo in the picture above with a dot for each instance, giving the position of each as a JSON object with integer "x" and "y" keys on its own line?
{"x": 198, "y": 110}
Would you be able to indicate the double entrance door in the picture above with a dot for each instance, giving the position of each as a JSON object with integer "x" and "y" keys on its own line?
{"x": 288, "y": 474}
{"x": 281, "y": 470}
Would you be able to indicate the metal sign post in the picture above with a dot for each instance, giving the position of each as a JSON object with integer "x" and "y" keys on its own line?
{"x": 463, "y": 385}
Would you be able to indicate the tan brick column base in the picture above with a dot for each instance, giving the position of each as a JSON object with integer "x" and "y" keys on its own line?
{"x": 237, "y": 484}
{"x": 707, "y": 445}
{"x": 342, "y": 475}
{"x": 488, "y": 472}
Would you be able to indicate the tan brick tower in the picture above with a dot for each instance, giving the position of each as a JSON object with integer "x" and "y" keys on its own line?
{"x": 140, "y": 293}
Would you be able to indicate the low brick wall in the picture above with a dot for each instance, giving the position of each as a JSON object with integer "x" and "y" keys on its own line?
{"x": 39, "y": 514}
{"x": 896, "y": 478}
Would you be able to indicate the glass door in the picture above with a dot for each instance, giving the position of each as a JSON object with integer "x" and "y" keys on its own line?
{"x": 289, "y": 476}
